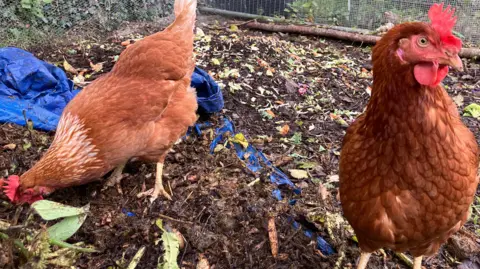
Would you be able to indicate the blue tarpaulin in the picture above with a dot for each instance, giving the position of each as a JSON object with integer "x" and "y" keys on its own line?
{"x": 42, "y": 90}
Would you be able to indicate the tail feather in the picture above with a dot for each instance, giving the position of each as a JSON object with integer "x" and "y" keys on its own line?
{"x": 185, "y": 14}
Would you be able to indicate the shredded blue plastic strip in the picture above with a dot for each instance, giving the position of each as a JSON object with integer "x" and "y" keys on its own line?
{"x": 322, "y": 245}
{"x": 255, "y": 162}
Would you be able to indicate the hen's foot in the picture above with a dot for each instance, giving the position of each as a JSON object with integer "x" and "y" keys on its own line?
{"x": 154, "y": 194}
{"x": 115, "y": 179}
{"x": 417, "y": 262}
{"x": 364, "y": 257}
{"x": 158, "y": 190}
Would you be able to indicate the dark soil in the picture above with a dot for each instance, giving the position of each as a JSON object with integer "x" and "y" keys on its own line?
{"x": 213, "y": 208}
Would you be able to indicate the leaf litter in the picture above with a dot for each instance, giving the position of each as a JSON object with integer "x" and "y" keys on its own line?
{"x": 279, "y": 94}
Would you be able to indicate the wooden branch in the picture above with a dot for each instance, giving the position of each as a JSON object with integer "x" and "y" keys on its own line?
{"x": 337, "y": 34}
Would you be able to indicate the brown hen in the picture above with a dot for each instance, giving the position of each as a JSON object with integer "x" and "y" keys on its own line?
{"x": 139, "y": 109}
{"x": 408, "y": 166}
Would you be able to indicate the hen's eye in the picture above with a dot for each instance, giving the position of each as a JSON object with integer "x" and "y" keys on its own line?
{"x": 422, "y": 42}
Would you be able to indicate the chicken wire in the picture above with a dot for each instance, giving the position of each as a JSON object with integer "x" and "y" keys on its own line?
{"x": 29, "y": 21}
{"x": 364, "y": 14}
{"x": 32, "y": 20}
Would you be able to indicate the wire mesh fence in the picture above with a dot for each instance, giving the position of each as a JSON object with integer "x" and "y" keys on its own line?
{"x": 32, "y": 20}
{"x": 365, "y": 14}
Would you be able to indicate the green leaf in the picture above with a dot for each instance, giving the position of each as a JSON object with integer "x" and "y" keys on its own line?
{"x": 472, "y": 110}
{"x": 171, "y": 245}
{"x": 66, "y": 228}
{"x": 50, "y": 210}
{"x": 307, "y": 165}
{"x": 296, "y": 139}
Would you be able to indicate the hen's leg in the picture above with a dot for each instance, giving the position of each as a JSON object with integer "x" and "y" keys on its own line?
{"x": 115, "y": 178}
{"x": 417, "y": 262}
{"x": 153, "y": 193}
{"x": 362, "y": 264}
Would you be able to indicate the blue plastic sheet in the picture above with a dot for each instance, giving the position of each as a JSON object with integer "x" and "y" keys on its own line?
{"x": 42, "y": 90}
{"x": 27, "y": 84}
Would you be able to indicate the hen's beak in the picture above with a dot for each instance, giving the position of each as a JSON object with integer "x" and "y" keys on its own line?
{"x": 452, "y": 60}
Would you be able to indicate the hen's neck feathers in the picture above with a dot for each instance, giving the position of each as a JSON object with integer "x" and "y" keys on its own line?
{"x": 396, "y": 95}
{"x": 71, "y": 155}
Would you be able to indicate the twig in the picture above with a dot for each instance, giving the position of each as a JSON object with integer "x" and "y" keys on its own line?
{"x": 176, "y": 220}
{"x": 70, "y": 246}
{"x": 272, "y": 235}
{"x": 27, "y": 124}
{"x": 405, "y": 259}
{"x": 292, "y": 236}
{"x": 253, "y": 182}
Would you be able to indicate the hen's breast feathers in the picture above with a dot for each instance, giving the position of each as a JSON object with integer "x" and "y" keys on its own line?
{"x": 410, "y": 182}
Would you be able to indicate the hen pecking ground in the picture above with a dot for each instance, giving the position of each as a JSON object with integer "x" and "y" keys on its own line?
{"x": 292, "y": 97}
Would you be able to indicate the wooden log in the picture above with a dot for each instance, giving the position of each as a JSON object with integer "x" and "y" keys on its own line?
{"x": 337, "y": 34}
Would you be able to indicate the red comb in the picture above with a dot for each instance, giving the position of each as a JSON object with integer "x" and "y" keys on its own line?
{"x": 10, "y": 187}
{"x": 443, "y": 22}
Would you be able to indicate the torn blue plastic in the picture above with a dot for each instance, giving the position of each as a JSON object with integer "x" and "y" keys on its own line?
{"x": 322, "y": 245}
{"x": 255, "y": 162}
{"x": 42, "y": 90}
{"x": 277, "y": 194}
{"x": 128, "y": 213}
{"x": 197, "y": 128}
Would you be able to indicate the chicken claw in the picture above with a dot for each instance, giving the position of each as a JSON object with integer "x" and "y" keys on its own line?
{"x": 158, "y": 190}
{"x": 115, "y": 179}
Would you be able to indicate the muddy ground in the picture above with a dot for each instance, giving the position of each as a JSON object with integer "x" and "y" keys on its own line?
{"x": 313, "y": 85}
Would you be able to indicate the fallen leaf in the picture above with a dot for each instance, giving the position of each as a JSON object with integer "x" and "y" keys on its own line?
{"x": 215, "y": 61}
{"x": 233, "y": 28}
{"x": 369, "y": 90}
{"x": 200, "y": 32}
{"x": 10, "y": 146}
{"x": 240, "y": 139}
{"x": 323, "y": 192}
{"x": 472, "y": 110}
{"x": 69, "y": 68}
{"x": 284, "y": 129}
{"x": 307, "y": 165}
{"x": 458, "y": 100}
{"x": 202, "y": 262}
{"x": 338, "y": 119}
{"x": 79, "y": 80}
{"x": 298, "y": 174}
{"x": 333, "y": 178}
{"x": 96, "y": 67}
{"x": 126, "y": 42}
{"x": 269, "y": 112}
